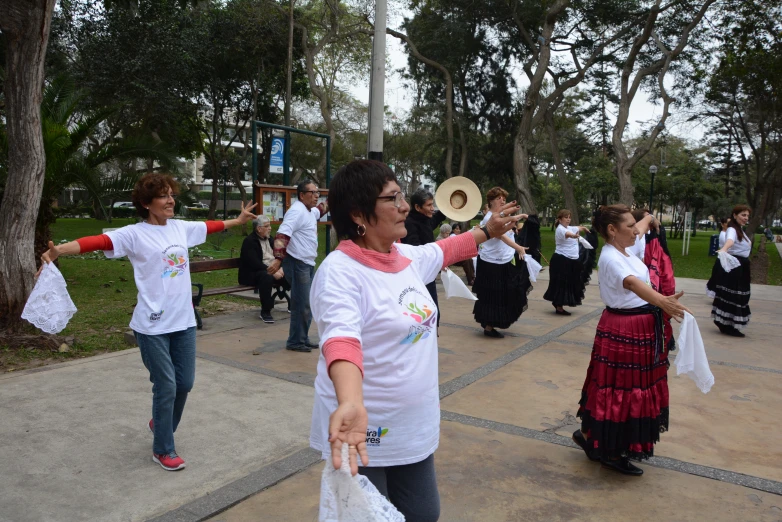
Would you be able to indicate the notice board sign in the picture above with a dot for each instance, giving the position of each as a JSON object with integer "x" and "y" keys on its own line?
{"x": 275, "y": 200}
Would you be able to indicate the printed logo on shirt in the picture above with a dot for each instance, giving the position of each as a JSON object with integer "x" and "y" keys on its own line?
{"x": 374, "y": 436}
{"x": 175, "y": 259}
{"x": 420, "y": 309}
{"x": 155, "y": 316}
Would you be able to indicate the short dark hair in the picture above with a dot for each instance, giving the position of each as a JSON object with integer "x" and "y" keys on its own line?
{"x": 608, "y": 215}
{"x": 496, "y": 192}
{"x": 355, "y": 188}
{"x": 564, "y": 213}
{"x": 420, "y": 197}
{"x": 640, "y": 213}
{"x": 150, "y": 186}
{"x": 302, "y": 187}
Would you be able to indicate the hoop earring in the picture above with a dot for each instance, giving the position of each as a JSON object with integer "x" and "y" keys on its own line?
{"x": 361, "y": 230}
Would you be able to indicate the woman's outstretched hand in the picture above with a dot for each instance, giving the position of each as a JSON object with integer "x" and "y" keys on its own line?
{"x": 50, "y": 255}
{"x": 348, "y": 424}
{"x": 502, "y": 221}
{"x": 246, "y": 214}
{"x": 671, "y": 306}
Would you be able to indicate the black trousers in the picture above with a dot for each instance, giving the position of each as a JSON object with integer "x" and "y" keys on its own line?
{"x": 432, "y": 287}
{"x": 264, "y": 283}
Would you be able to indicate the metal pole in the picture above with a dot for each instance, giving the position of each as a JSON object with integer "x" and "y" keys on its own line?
{"x": 224, "y": 168}
{"x": 286, "y": 160}
{"x": 255, "y": 155}
{"x": 378, "y": 82}
{"x": 289, "y": 86}
{"x": 651, "y": 193}
{"x": 328, "y": 182}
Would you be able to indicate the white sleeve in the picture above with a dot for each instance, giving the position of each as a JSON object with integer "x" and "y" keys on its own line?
{"x": 316, "y": 212}
{"x": 731, "y": 234}
{"x": 335, "y": 299}
{"x": 195, "y": 231}
{"x": 290, "y": 221}
{"x": 123, "y": 239}
{"x": 616, "y": 271}
{"x": 427, "y": 259}
{"x": 559, "y": 235}
{"x": 574, "y": 230}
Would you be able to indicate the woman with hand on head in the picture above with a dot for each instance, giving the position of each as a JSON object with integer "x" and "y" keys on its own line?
{"x": 501, "y": 277}
{"x": 730, "y": 309}
{"x": 624, "y": 401}
{"x": 566, "y": 281}
{"x": 163, "y": 320}
{"x": 376, "y": 388}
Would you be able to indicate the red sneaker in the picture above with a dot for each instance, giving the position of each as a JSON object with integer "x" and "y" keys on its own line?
{"x": 170, "y": 462}
{"x": 151, "y": 426}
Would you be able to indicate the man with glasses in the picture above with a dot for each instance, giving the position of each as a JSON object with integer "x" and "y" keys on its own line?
{"x": 295, "y": 250}
{"x": 256, "y": 257}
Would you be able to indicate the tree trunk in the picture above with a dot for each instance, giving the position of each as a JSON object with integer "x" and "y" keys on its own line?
{"x": 567, "y": 187}
{"x": 25, "y": 25}
{"x": 521, "y": 172}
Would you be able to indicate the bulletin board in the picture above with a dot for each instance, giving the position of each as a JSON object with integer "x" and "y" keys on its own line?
{"x": 275, "y": 200}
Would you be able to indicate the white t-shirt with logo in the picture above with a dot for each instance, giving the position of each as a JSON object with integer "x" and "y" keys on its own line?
{"x": 738, "y": 248}
{"x": 566, "y": 246}
{"x": 494, "y": 250}
{"x": 161, "y": 268}
{"x": 613, "y": 267}
{"x": 395, "y": 320}
{"x": 301, "y": 225}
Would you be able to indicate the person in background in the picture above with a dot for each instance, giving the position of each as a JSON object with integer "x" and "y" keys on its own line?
{"x": 468, "y": 264}
{"x": 730, "y": 309}
{"x": 714, "y": 270}
{"x": 501, "y": 279}
{"x": 256, "y": 256}
{"x": 445, "y": 231}
{"x": 295, "y": 250}
{"x": 566, "y": 284}
{"x": 163, "y": 320}
{"x": 376, "y": 388}
{"x": 420, "y": 224}
{"x": 625, "y": 401}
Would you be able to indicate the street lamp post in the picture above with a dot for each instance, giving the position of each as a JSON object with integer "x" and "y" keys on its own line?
{"x": 224, "y": 172}
{"x": 652, "y": 171}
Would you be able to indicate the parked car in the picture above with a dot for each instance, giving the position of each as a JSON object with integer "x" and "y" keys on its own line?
{"x": 777, "y": 223}
{"x": 705, "y": 224}
{"x": 123, "y": 204}
{"x": 198, "y": 204}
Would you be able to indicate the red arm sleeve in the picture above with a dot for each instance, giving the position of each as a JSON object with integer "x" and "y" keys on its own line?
{"x": 458, "y": 248}
{"x": 93, "y": 243}
{"x": 281, "y": 246}
{"x": 214, "y": 226}
{"x": 344, "y": 349}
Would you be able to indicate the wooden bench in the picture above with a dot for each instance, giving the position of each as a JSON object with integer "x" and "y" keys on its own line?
{"x": 224, "y": 264}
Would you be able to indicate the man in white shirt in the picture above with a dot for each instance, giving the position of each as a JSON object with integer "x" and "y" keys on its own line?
{"x": 295, "y": 249}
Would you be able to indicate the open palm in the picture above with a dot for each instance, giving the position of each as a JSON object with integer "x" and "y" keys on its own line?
{"x": 348, "y": 424}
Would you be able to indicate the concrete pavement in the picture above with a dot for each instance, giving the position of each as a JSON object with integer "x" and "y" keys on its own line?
{"x": 75, "y": 444}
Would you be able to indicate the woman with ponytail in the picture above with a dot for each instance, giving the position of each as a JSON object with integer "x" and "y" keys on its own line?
{"x": 730, "y": 309}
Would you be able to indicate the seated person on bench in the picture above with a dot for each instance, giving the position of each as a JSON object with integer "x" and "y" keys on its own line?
{"x": 257, "y": 254}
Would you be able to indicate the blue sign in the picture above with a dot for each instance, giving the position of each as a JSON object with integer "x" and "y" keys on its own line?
{"x": 277, "y": 157}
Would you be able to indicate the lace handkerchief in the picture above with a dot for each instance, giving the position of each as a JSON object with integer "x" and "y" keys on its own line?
{"x": 346, "y": 498}
{"x": 586, "y": 244}
{"x": 533, "y": 267}
{"x": 49, "y": 306}
{"x": 727, "y": 261}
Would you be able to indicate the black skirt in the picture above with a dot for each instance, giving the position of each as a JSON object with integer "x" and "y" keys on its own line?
{"x": 566, "y": 281}
{"x": 732, "y": 291}
{"x": 502, "y": 292}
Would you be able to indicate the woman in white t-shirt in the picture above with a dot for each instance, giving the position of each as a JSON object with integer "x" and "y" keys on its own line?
{"x": 501, "y": 280}
{"x": 566, "y": 282}
{"x": 163, "y": 320}
{"x": 624, "y": 401}
{"x": 730, "y": 309}
{"x": 376, "y": 388}
{"x": 714, "y": 270}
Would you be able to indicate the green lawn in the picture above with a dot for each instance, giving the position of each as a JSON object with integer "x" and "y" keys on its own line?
{"x": 105, "y": 294}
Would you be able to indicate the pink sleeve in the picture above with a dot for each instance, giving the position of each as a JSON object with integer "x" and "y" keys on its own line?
{"x": 458, "y": 248}
{"x": 93, "y": 243}
{"x": 344, "y": 349}
{"x": 214, "y": 226}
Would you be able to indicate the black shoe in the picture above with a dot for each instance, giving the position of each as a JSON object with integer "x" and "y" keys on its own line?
{"x": 721, "y": 326}
{"x": 734, "y": 332}
{"x": 579, "y": 439}
{"x": 299, "y": 348}
{"x": 312, "y": 345}
{"x": 493, "y": 333}
{"x": 266, "y": 317}
{"x": 562, "y": 312}
{"x": 623, "y": 466}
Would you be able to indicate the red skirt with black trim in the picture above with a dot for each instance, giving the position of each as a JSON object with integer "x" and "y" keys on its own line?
{"x": 624, "y": 401}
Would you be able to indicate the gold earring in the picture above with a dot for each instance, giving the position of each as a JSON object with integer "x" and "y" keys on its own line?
{"x": 361, "y": 230}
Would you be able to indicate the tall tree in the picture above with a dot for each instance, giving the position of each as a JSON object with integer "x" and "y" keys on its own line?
{"x": 25, "y": 29}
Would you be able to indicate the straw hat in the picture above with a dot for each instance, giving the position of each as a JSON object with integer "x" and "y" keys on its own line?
{"x": 458, "y": 198}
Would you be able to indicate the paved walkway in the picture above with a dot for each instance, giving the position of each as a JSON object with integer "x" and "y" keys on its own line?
{"x": 76, "y": 447}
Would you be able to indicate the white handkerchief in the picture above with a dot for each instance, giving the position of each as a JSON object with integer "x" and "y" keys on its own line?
{"x": 727, "y": 261}
{"x": 692, "y": 360}
{"x": 455, "y": 287}
{"x": 585, "y": 243}
{"x": 533, "y": 267}
{"x": 49, "y": 306}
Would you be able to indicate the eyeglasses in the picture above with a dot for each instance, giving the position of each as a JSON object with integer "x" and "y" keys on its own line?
{"x": 172, "y": 196}
{"x": 316, "y": 192}
{"x": 397, "y": 197}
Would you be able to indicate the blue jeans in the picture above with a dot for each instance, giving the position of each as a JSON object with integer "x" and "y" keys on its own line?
{"x": 299, "y": 275}
{"x": 170, "y": 359}
{"x": 411, "y": 488}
